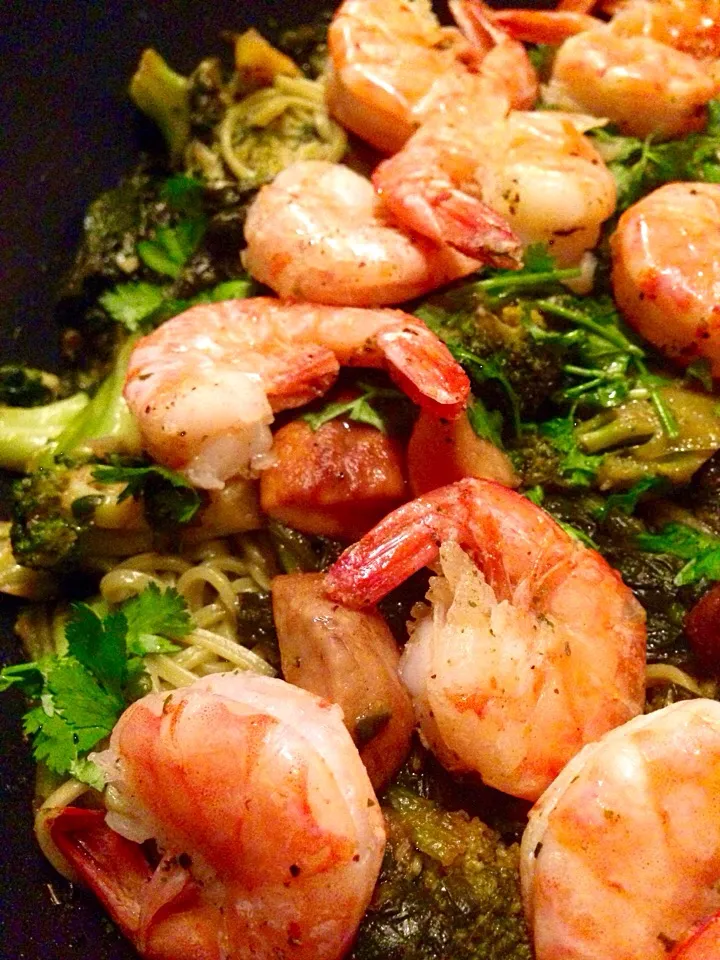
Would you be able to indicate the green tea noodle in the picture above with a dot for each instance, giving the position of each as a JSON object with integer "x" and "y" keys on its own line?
{"x": 277, "y": 126}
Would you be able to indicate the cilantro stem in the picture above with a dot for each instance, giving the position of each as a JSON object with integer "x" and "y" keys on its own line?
{"x": 665, "y": 414}
{"x": 521, "y": 281}
{"x": 611, "y": 336}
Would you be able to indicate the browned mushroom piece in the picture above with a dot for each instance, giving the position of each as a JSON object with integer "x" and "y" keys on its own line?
{"x": 338, "y": 480}
{"x": 350, "y": 658}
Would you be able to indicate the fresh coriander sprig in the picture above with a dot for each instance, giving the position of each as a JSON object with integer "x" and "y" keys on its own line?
{"x": 360, "y": 408}
{"x": 79, "y": 693}
{"x": 700, "y": 550}
{"x": 169, "y": 497}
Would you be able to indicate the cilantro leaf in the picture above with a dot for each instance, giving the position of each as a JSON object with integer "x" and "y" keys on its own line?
{"x": 184, "y": 194}
{"x": 153, "y": 616}
{"x": 627, "y": 500}
{"x": 575, "y": 466}
{"x": 482, "y": 369}
{"x": 99, "y": 645}
{"x": 80, "y": 694}
{"x": 131, "y": 303}
{"x": 169, "y": 498}
{"x": 701, "y": 371}
{"x": 640, "y": 166}
{"x": 487, "y": 425}
{"x": 359, "y": 409}
{"x": 172, "y": 247}
{"x": 701, "y": 550}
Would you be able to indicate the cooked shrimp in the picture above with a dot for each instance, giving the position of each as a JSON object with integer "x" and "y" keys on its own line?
{"x": 318, "y": 232}
{"x": 529, "y": 652}
{"x": 654, "y": 54}
{"x": 621, "y": 855}
{"x": 535, "y": 172}
{"x": 269, "y": 832}
{"x": 205, "y": 384}
{"x": 390, "y": 60}
{"x": 666, "y": 270}
{"x": 350, "y": 658}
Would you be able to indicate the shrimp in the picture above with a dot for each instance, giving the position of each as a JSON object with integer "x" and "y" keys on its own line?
{"x": 389, "y": 60}
{"x": 536, "y": 173}
{"x": 318, "y": 232}
{"x": 650, "y": 53}
{"x": 204, "y": 385}
{"x": 621, "y": 856}
{"x": 533, "y": 645}
{"x": 269, "y": 833}
{"x": 666, "y": 270}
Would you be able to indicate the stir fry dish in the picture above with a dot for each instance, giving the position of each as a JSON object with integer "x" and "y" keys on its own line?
{"x": 371, "y": 527}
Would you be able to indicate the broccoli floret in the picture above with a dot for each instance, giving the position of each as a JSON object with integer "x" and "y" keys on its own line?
{"x": 164, "y": 96}
{"x": 449, "y": 887}
{"x": 71, "y": 427}
{"x": 44, "y": 533}
{"x": 509, "y": 369}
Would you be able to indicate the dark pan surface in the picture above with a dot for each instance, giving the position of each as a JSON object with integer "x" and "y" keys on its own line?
{"x": 68, "y": 132}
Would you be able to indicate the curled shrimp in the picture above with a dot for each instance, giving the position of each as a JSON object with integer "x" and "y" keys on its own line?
{"x": 666, "y": 270}
{"x": 268, "y": 829}
{"x": 621, "y": 856}
{"x": 488, "y": 186}
{"x": 533, "y": 645}
{"x": 318, "y": 232}
{"x": 390, "y": 60}
{"x": 659, "y": 54}
{"x": 204, "y": 385}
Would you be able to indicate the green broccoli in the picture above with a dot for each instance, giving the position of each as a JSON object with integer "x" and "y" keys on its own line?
{"x": 449, "y": 887}
{"x": 44, "y": 533}
{"x": 30, "y": 436}
{"x": 163, "y": 95}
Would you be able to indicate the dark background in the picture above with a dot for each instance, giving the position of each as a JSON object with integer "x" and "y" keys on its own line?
{"x": 67, "y": 132}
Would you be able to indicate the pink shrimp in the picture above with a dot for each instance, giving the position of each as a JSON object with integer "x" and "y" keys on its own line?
{"x": 621, "y": 855}
{"x": 663, "y": 54}
{"x": 529, "y": 652}
{"x": 486, "y": 185}
{"x": 666, "y": 270}
{"x": 205, "y": 384}
{"x": 269, "y": 833}
{"x": 390, "y": 61}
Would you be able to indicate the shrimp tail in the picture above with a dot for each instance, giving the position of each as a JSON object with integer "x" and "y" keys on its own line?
{"x": 544, "y": 26}
{"x": 506, "y": 64}
{"x": 156, "y": 909}
{"x": 424, "y": 200}
{"x": 404, "y": 542}
{"x": 424, "y": 369}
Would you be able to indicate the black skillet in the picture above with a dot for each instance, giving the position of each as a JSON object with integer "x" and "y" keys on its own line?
{"x": 67, "y": 132}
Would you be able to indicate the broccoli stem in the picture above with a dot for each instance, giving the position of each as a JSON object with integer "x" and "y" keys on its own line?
{"x": 164, "y": 96}
{"x": 26, "y": 433}
{"x": 105, "y": 418}
{"x": 606, "y": 432}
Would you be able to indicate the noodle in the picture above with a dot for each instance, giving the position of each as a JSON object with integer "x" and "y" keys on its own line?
{"x": 277, "y": 126}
